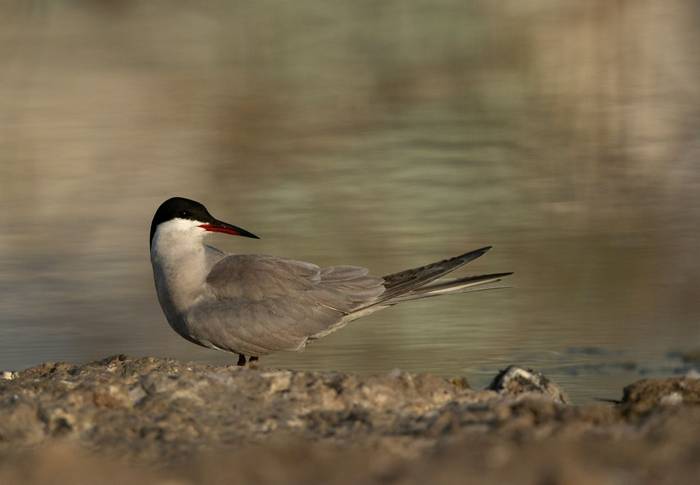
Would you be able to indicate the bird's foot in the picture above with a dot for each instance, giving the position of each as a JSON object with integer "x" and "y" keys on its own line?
{"x": 251, "y": 364}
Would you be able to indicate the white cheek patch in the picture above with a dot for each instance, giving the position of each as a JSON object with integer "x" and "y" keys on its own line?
{"x": 179, "y": 225}
{"x": 178, "y": 231}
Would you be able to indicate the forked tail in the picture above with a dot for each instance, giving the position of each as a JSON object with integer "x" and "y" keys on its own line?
{"x": 448, "y": 287}
{"x": 420, "y": 282}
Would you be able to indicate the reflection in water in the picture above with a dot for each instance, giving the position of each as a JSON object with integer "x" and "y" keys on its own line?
{"x": 386, "y": 136}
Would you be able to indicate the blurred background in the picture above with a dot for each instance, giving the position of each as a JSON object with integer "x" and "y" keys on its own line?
{"x": 386, "y": 134}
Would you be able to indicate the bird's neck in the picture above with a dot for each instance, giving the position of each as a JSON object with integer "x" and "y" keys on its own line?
{"x": 180, "y": 269}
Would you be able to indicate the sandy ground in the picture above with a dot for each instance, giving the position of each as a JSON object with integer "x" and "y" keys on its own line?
{"x": 124, "y": 420}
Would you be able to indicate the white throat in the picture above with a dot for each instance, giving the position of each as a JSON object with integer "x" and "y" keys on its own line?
{"x": 178, "y": 256}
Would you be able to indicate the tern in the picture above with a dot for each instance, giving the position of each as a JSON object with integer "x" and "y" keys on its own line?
{"x": 253, "y": 305}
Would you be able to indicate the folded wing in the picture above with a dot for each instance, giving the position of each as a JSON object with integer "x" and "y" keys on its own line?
{"x": 259, "y": 304}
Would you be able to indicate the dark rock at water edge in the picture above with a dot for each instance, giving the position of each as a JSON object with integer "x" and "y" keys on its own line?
{"x": 516, "y": 381}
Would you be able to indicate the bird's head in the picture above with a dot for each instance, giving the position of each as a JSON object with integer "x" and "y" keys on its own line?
{"x": 191, "y": 217}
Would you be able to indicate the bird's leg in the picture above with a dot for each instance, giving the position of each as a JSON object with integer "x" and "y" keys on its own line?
{"x": 241, "y": 360}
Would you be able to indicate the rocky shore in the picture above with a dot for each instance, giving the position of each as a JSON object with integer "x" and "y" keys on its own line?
{"x": 162, "y": 421}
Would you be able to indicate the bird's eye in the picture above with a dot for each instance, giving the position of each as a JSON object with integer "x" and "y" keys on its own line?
{"x": 184, "y": 214}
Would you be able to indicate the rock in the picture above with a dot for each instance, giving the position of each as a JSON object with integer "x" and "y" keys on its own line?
{"x": 516, "y": 381}
{"x": 8, "y": 375}
{"x": 646, "y": 396}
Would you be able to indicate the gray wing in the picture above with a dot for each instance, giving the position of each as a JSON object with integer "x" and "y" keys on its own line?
{"x": 256, "y": 304}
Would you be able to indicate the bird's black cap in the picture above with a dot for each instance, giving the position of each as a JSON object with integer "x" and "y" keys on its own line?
{"x": 182, "y": 208}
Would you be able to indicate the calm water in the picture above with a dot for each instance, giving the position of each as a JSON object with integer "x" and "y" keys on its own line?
{"x": 391, "y": 136}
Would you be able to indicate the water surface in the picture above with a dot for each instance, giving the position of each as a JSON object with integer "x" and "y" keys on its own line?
{"x": 386, "y": 136}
